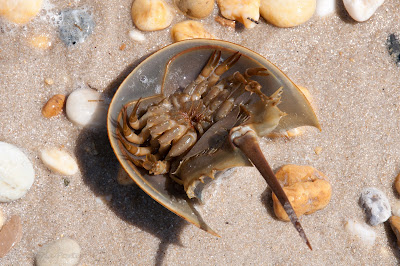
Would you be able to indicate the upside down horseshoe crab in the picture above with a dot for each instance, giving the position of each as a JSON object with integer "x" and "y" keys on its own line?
{"x": 196, "y": 107}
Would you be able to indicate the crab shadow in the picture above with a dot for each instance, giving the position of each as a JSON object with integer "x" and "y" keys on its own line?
{"x": 100, "y": 169}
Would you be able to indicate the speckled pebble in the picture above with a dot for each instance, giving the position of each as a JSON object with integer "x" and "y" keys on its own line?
{"x": 10, "y": 234}
{"x": 76, "y": 25}
{"x": 59, "y": 161}
{"x": 86, "y": 107}
{"x": 64, "y": 251}
{"x": 362, "y": 10}
{"x": 376, "y": 205}
{"x": 361, "y": 231}
{"x": 16, "y": 173}
{"x": 20, "y": 11}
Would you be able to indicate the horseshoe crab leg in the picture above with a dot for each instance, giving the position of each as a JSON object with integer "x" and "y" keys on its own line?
{"x": 247, "y": 142}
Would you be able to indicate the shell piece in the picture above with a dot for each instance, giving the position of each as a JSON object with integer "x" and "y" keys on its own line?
{"x": 20, "y": 11}
{"x": 150, "y": 15}
{"x": 287, "y": 13}
{"x": 195, "y": 8}
{"x": 162, "y": 66}
{"x": 189, "y": 29}
{"x": 244, "y": 11}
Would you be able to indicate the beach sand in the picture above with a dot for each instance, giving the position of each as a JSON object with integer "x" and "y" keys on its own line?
{"x": 356, "y": 90}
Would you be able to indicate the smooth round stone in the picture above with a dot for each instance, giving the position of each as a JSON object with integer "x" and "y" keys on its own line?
{"x": 362, "y": 10}
{"x": 86, "y": 107}
{"x": 376, "y": 205}
{"x": 287, "y": 13}
{"x": 76, "y": 25}
{"x": 16, "y": 173}
{"x": 64, "y": 251}
{"x": 151, "y": 15}
{"x": 59, "y": 161}
{"x": 20, "y": 11}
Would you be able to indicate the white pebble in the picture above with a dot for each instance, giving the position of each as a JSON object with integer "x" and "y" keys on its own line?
{"x": 59, "y": 161}
{"x": 64, "y": 251}
{"x": 361, "y": 231}
{"x": 396, "y": 209}
{"x": 362, "y": 10}
{"x": 86, "y": 107}
{"x": 137, "y": 36}
{"x": 376, "y": 205}
{"x": 325, "y": 7}
{"x": 16, "y": 173}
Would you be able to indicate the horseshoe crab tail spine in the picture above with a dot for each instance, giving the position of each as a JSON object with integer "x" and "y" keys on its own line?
{"x": 248, "y": 144}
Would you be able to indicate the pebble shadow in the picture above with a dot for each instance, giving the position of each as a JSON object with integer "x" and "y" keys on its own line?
{"x": 100, "y": 167}
{"x": 392, "y": 241}
{"x": 342, "y": 13}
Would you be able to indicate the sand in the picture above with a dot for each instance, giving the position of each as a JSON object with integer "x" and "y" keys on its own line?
{"x": 348, "y": 71}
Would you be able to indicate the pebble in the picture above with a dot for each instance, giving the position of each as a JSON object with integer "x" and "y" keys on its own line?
{"x": 10, "y": 234}
{"x": 362, "y": 10}
{"x": 76, "y": 25}
{"x": 20, "y": 11}
{"x": 49, "y": 81}
{"x": 40, "y": 41}
{"x": 307, "y": 189}
{"x": 59, "y": 161}
{"x": 393, "y": 46}
{"x": 137, "y": 36}
{"x": 225, "y": 22}
{"x": 361, "y": 231}
{"x": 376, "y": 205}
{"x": 395, "y": 224}
{"x": 287, "y": 13}
{"x": 325, "y": 7}
{"x": 54, "y": 106}
{"x": 3, "y": 218}
{"x": 151, "y": 15}
{"x": 86, "y": 107}
{"x": 196, "y": 8}
{"x": 189, "y": 29}
{"x": 396, "y": 209}
{"x": 246, "y": 12}
{"x": 16, "y": 173}
{"x": 397, "y": 183}
{"x": 64, "y": 251}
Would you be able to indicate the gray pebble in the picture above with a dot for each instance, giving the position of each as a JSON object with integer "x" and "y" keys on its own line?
{"x": 376, "y": 205}
{"x": 64, "y": 251}
{"x": 76, "y": 25}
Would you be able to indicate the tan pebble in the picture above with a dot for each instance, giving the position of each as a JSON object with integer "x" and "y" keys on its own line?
{"x": 307, "y": 189}
{"x": 122, "y": 47}
{"x": 54, "y": 106}
{"x": 244, "y": 11}
{"x": 318, "y": 150}
{"x": 123, "y": 178}
{"x": 151, "y": 15}
{"x": 395, "y": 224}
{"x": 225, "y": 22}
{"x": 59, "y": 161}
{"x": 10, "y": 234}
{"x": 397, "y": 183}
{"x": 287, "y": 13}
{"x": 49, "y": 81}
{"x": 189, "y": 29}
{"x": 195, "y": 8}
{"x": 20, "y": 11}
{"x": 40, "y": 41}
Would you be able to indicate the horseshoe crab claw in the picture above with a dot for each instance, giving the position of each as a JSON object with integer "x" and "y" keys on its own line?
{"x": 171, "y": 126}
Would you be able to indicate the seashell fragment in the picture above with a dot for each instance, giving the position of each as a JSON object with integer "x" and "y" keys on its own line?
{"x": 16, "y": 173}
{"x": 287, "y": 13}
{"x": 360, "y": 231}
{"x": 376, "y": 205}
{"x": 150, "y": 15}
{"x": 59, "y": 161}
{"x": 307, "y": 189}
{"x": 195, "y": 8}
{"x": 189, "y": 29}
{"x": 20, "y": 11}
{"x": 10, "y": 234}
{"x": 53, "y": 106}
{"x": 64, "y": 251}
{"x": 362, "y": 10}
{"x": 137, "y": 36}
{"x": 246, "y": 12}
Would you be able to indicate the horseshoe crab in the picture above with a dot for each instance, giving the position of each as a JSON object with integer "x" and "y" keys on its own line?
{"x": 170, "y": 125}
